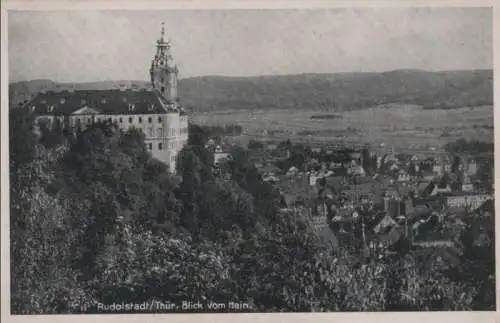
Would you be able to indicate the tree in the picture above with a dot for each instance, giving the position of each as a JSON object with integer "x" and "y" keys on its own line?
{"x": 22, "y": 139}
{"x": 43, "y": 235}
{"x": 135, "y": 267}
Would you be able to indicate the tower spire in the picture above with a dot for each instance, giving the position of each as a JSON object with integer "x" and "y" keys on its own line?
{"x": 163, "y": 70}
{"x": 162, "y": 31}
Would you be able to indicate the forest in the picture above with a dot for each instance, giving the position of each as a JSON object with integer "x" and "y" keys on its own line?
{"x": 94, "y": 218}
{"x": 327, "y": 91}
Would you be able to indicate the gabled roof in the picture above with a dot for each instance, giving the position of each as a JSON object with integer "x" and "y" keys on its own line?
{"x": 113, "y": 101}
{"x": 392, "y": 236}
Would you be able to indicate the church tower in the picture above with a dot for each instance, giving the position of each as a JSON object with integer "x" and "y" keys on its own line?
{"x": 164, "y": 70}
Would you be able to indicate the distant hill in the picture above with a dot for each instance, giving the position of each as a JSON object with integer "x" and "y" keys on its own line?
{"x": 340, "y": 91}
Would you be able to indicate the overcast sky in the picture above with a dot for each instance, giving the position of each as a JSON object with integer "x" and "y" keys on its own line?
{"x": 79, "y": 46}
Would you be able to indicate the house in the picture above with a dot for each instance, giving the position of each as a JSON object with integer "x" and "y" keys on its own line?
{"x": 392, "y": 192}
{"x": 472, "y": 168}
{"x": 427, "y": 175}
{"x": 440, "y": 256}
{"x": 424, "y": 188}
{"x": 467, "y": 185}
{"x": 356, "y": 157}
{"x": 389, "y": 238}
{"x": 392, "y": 165}
{"x": 403, "y": 176}
{"x": 270, "y": 178}
{"x": 320, "y": 221}
{"x": 469, "y": 201}
{"x": 467, "y": 164}
{"x": 441, "y": 187}
{"x": 356, "y": 170}
{"x": 438, "y": 169}
{"x": 219, "y": 155}
{"x": 382, "y": 222}
{"x": 292, "y": 171}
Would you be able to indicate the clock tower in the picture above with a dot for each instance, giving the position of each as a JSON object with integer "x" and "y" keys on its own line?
{"x": 164, "y": 71}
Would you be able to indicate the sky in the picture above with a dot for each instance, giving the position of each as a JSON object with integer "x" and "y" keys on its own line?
{"x": 86, "y": 46}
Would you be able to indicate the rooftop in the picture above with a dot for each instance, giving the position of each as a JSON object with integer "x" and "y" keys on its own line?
{"x": 113, "y": 101}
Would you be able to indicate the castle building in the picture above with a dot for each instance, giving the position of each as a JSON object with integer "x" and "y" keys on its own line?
{"x": 154, "y": 110}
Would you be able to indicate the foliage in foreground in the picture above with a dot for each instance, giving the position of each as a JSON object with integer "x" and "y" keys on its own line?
{"x": 95, "y": 219}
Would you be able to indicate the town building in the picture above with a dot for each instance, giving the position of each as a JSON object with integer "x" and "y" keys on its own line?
{"x": 155, "y": 110}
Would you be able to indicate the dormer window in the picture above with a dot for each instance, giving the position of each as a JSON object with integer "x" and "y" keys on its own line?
{"x": 62, "y": 101}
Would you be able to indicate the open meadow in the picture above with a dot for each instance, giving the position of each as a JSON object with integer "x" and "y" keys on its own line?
{"x": 401, "y": 126}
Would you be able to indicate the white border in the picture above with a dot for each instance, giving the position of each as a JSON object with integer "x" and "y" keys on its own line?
{"x": 484, "y": 317}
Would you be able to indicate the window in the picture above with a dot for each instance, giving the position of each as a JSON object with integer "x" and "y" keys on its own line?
{"x": 160, "y": 146}
{"x": 89, "y": 120}
{"x": 159, "y": 119}
{"x": 150, "y": 146}
{"x": 160, "y": 132}
{"x": 150, "y": 132}
{"x": 150, "y": 120}
{"x": 120, "y": 120}
{"x": 110, "y": 120}
{"x": 130, "y": 120}
{"x": 140, "y": 119}
{"x": 98, "y": 119}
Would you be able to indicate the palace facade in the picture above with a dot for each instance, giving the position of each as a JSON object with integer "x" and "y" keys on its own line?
{"x": 154, "y": 110}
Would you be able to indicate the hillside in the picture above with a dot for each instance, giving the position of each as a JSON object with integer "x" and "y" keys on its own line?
{"x": 447, "y": 89}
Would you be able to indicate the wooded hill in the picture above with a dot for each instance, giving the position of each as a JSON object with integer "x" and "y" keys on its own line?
{"x": 340, "y": 91}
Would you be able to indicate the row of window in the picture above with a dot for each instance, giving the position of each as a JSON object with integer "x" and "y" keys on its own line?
{"x": 131, "y": 120}
{"x": 150, "y": 130}
{"x": 171, "y": 145}
{"x": 150, "y": 146}
{"x": 120, "y": 119}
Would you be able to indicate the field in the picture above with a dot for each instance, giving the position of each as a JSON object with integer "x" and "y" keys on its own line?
{"x": 401, "y": 126}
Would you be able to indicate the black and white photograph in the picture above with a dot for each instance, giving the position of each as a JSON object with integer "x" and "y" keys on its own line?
{"x": 245, "y": 160}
